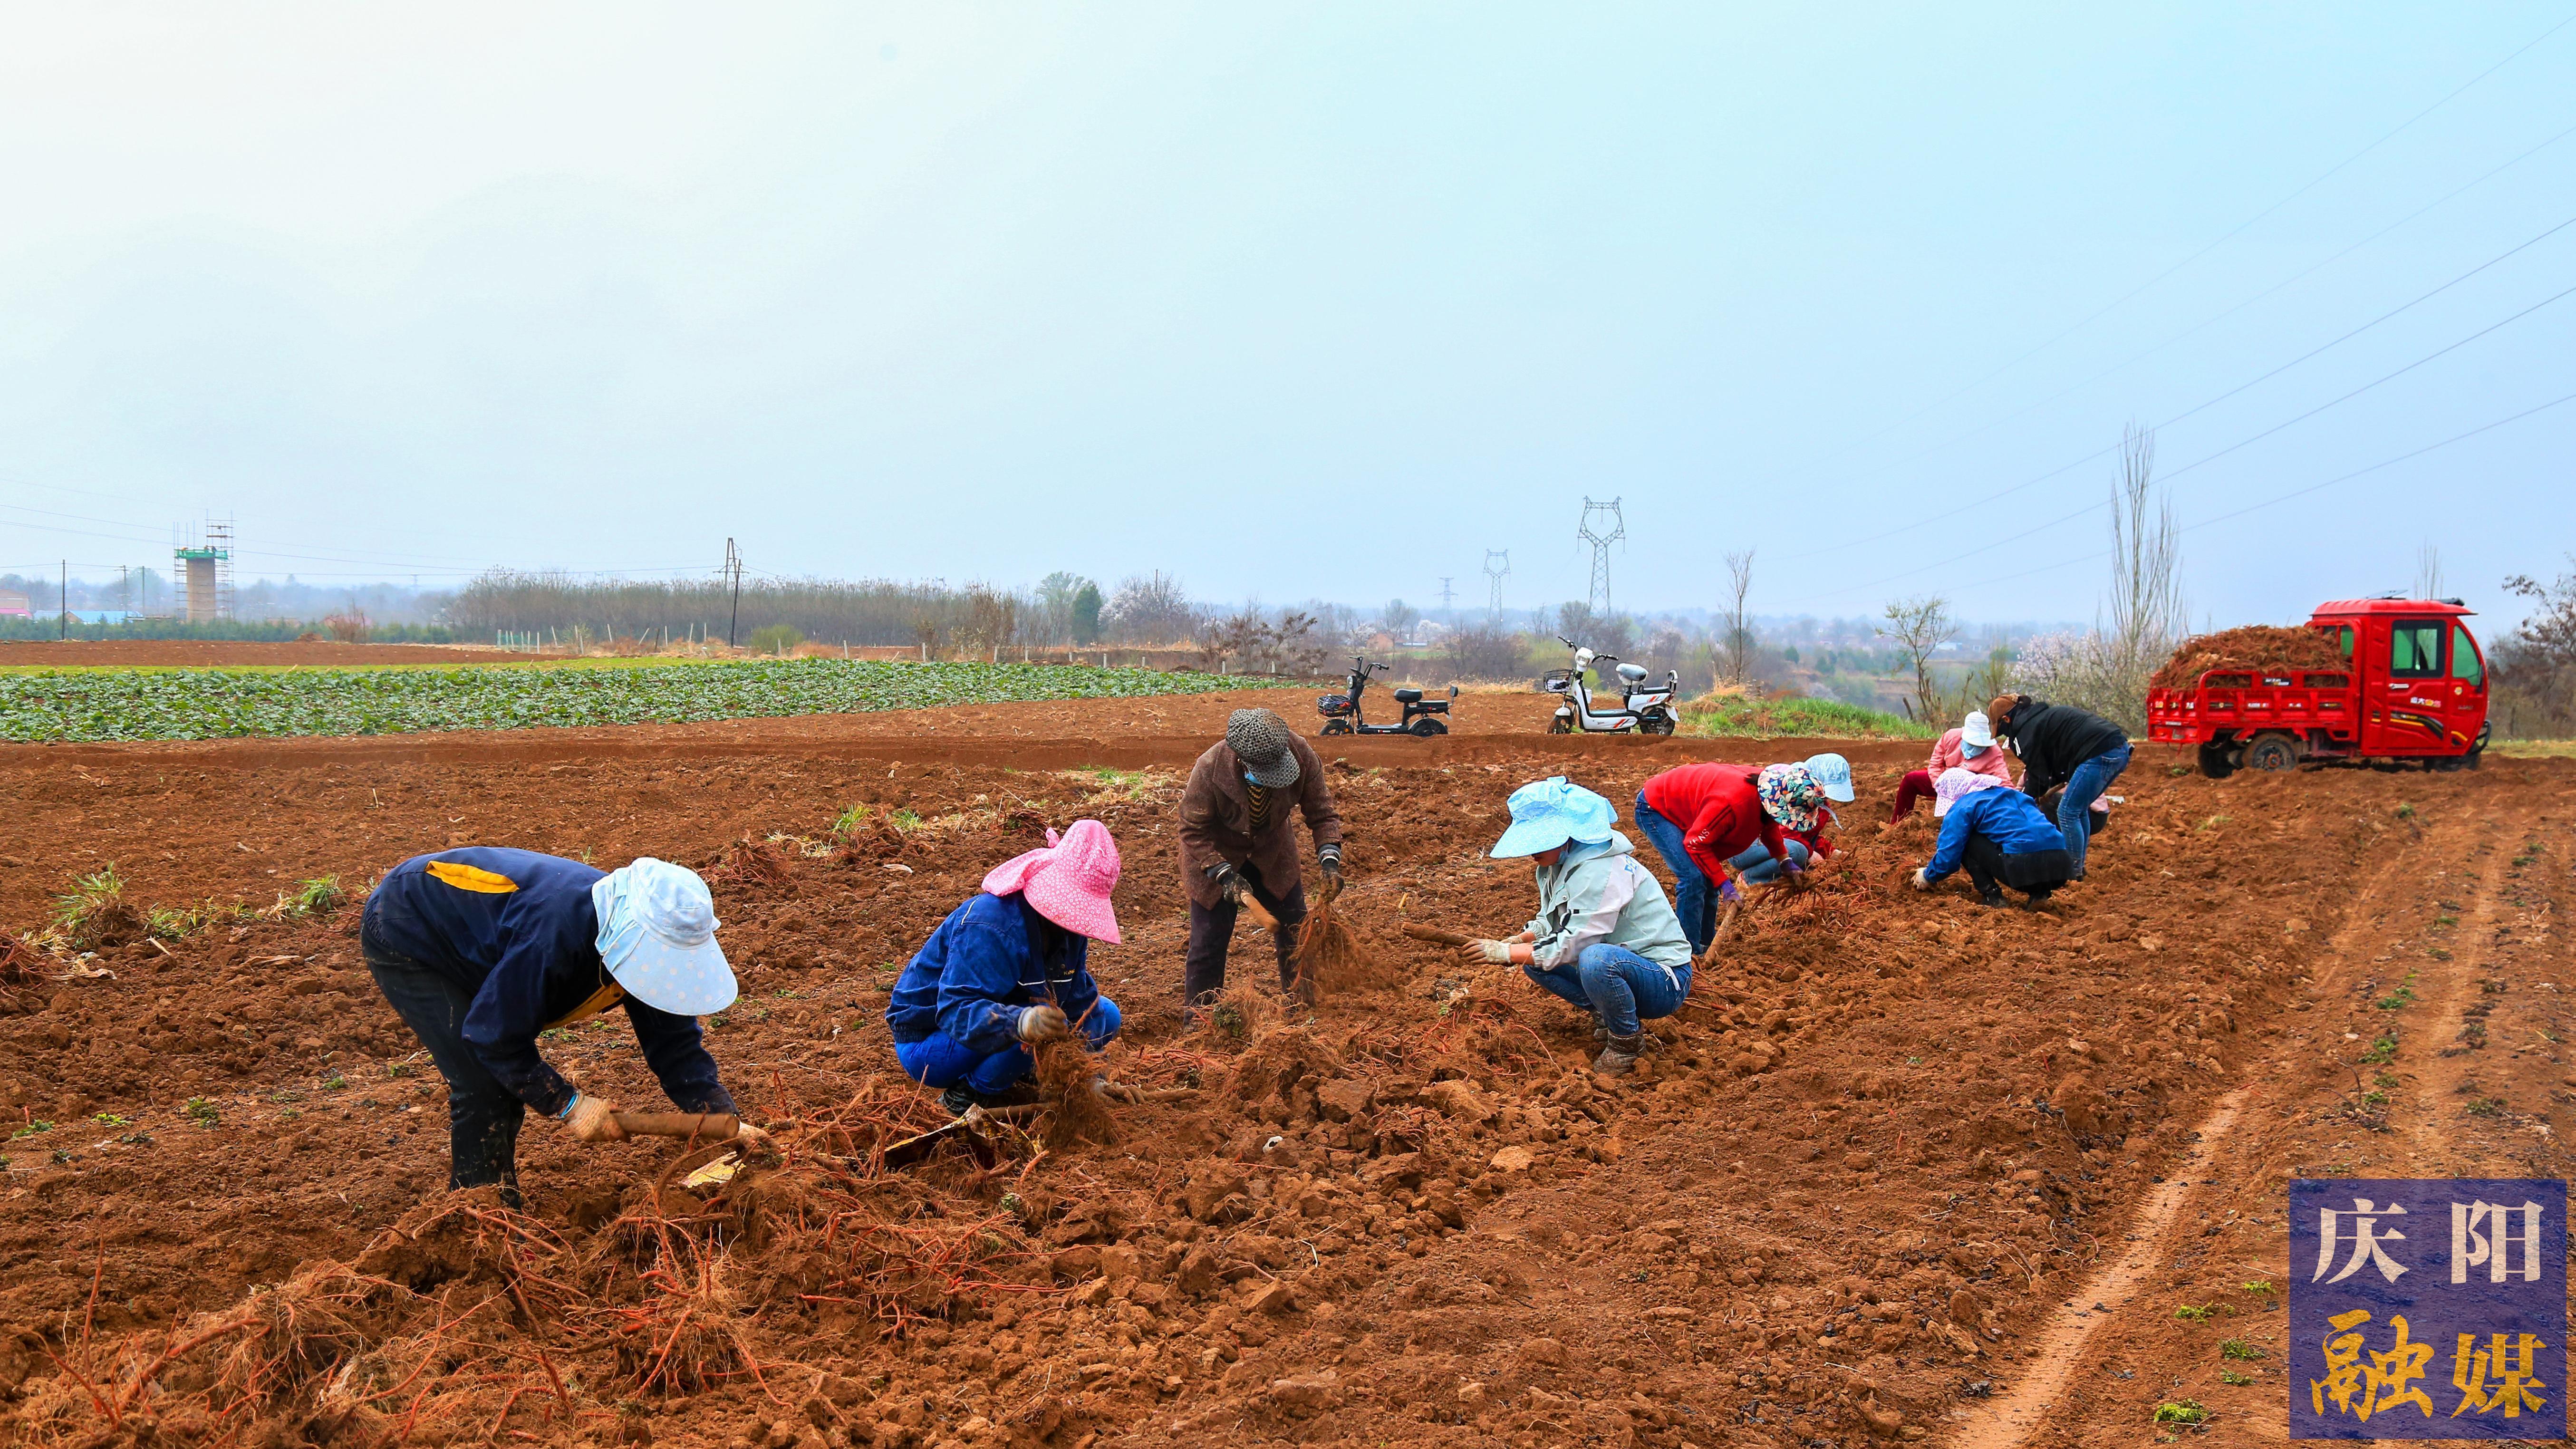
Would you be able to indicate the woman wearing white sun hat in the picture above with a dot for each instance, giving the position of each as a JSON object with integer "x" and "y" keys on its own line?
{"x": 1970, "y": 747}
{"x": 480, "y": 949}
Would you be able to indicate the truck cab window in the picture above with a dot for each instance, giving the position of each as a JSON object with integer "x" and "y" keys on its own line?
{"x": 2345, "y": 640}
{"x": 2415, "y": 649}
{"x": 2465, "y": 664}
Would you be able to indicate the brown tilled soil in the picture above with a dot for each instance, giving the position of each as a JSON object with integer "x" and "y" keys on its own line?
{"x": 1905, "y": 1169}
{"x": 206, "y": 653}
{"x": 2251, "y": 646}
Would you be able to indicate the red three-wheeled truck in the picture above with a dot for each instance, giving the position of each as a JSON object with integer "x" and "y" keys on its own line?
{"x": 2413, "y": 687}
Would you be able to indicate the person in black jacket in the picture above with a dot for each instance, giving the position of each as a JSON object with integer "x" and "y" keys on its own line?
{"x": 482, "y": 949}
{"x": 2062, "y": 745}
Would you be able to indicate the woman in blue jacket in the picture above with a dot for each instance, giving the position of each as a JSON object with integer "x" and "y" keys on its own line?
{"x": 1999, "y": 835}
{"x": 1010, "y": 969}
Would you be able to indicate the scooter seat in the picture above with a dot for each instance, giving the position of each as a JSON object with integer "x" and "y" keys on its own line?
{"x": 1633, "y": 673}
{"x": 1408, "y": 696}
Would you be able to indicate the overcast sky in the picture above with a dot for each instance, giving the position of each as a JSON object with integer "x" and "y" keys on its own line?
{"x": 1295, "y": 301}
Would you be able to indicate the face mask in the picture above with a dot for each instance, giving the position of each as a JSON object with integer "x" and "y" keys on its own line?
{"x": 1256, "y": 784}
{"x": 1972, "y": 751}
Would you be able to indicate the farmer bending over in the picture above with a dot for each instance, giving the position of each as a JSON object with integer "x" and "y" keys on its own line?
{"x": 1702, "y": 818}
{"x": 1009, "y": 969}
{"x": 1605, "y": 937}
{"x": 480, "y": 949}
{"x": 1755, "y": 864}
{"x": 2062, "y": 745}
{"x": 1236, "y": 841}
{"x": 1971, "y": 746}
{"x": 1998, "y": 834}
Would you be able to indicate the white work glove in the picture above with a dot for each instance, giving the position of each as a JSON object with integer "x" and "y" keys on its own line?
{"x": 1919, "y": 880}
{"x": 1490, "y": 953}
{"x": 748, "y": 1135}
{"x": 592, "y": 1119}
{"x": 1043, "y": 1023}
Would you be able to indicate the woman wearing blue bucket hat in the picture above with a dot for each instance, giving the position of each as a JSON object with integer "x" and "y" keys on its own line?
{"x": 480, "y": 949}
{"x": 1605, "y": 938}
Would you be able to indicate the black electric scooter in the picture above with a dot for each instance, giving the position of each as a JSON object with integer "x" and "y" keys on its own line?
{"x": 1341, "y": 712}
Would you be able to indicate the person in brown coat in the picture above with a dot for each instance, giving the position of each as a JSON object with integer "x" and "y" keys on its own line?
{"x": 1236, "y": 841}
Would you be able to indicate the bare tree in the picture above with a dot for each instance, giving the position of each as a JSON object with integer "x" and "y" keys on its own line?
{"x": 2106, "y": 670}
{"x": 1151, "y": 610}
{"x": 2147, "y": 612}
{"x": 1920, "y": 627}
{"x": 1735, "y": 645}
{"x": 2428, "y": 572}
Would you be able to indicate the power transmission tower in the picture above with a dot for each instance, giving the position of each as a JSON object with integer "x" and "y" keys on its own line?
{"x": 1446, "y": 594}
{"x": 733, "y": 571}
{"x": 1617, "y": 526}
{"x": 1494, "y": 577}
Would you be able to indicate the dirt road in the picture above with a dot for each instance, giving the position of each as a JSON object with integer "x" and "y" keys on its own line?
{"x": 1872, "y": 1187}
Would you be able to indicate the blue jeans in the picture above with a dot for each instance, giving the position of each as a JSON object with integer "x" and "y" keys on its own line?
{"x": 1757, "y": 866}
{"x": 1694, "y": 897}
{"x": 942, "y": 1061}
{"x": 2075, "y": 807}
{"x": 483, "y": 1117}
{"x": 1617, "y": 985}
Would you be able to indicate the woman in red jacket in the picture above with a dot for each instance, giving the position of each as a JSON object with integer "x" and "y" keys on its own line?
{"x": 1699, "y": 817}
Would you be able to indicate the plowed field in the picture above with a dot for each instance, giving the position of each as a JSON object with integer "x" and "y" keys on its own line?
{"x": 1905, "y": 1169}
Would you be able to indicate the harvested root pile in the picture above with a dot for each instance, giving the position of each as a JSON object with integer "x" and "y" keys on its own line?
{"x": 1074, "y": 1112}
{"x": 1328, "y": 958}
{"x": 2252, "y": 647}
{"x": 755, "y": 867}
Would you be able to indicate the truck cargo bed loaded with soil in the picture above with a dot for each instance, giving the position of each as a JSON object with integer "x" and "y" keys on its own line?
{"x": 2386, "y": 679}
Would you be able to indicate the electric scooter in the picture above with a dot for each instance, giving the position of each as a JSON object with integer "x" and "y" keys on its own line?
{"x": 1341, "y": 712}
{"x": 1642, "y": 707}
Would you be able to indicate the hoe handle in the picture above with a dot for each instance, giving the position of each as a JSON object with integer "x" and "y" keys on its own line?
{"x": 1435, "y": 935}
{"x": 705, "y": 1126}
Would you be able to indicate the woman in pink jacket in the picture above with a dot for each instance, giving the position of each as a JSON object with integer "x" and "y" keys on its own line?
{"x": 1969, "y": 747}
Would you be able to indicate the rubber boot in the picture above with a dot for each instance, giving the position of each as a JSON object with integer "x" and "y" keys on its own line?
{"x": 1619, "y": 1058}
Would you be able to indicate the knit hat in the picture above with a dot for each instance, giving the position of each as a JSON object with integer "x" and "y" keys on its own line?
{"x": 1790, "y": 795}
{"x": 1260, "y": 739}
{"x": 1068, "y": 881}
{"x": 657, "y": 936}
{"x": 1548, "y": 813}
{"x": 1957, "y": 783}
{"x": 1833, "y": 776}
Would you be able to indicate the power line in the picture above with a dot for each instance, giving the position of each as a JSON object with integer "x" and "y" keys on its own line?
{"x": 2231, "y": 234}
{"x": 2205, "y": 405}
{"x": 2279, "y": 498}
{"x": 2211, "y": 321}
{"x": 2211, "y": 457}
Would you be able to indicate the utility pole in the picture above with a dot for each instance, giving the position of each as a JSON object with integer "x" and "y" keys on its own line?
{"x": 733, "y": 568}
{"x": 1446, "y": 594}
{"x": 1494, "y": 576}
{"x": 1614, "y": 529}
{"x": 63, "y": 626}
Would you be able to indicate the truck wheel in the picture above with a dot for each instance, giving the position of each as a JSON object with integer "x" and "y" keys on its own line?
{"x": 2217, "y": 761}
{"x": 2272, "y": 752}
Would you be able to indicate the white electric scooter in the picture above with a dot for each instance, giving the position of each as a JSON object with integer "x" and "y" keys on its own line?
{"x": 1644, "y": 708}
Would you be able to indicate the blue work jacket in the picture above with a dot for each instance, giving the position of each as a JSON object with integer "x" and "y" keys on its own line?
{"x": 516, "y": 930}
{"x": 2006, "y": 817}
{"x": 993, "y": 956}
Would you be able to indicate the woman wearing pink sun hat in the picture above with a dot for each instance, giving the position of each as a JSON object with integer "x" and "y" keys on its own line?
{"x": 1009, "y": 969}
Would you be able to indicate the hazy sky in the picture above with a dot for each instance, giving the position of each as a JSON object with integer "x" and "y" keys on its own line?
{"x": 1294, "y": 301}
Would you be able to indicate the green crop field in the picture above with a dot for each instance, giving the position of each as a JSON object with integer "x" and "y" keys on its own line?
{"x": 80, "y": 706}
